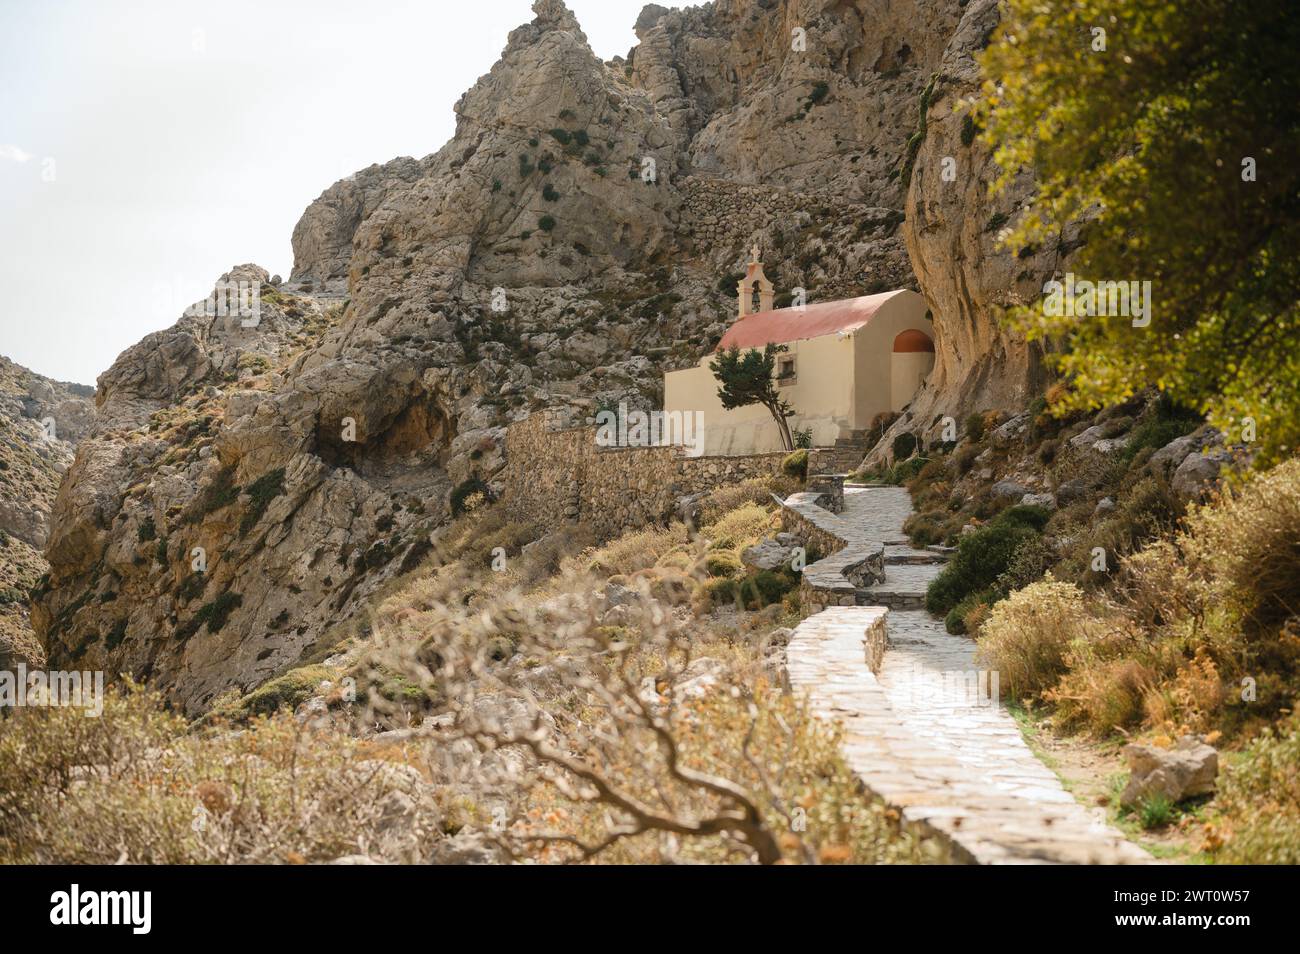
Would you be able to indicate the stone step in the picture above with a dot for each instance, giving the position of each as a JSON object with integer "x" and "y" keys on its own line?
{"x": 901, "y": 600}
{"x": 900, "y": 557}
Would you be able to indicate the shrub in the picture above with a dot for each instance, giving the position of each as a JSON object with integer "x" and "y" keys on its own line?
{"x": 973, "y": 604}
{"x": 468, "y": 495}
{"x": 757, "y": 490}
{"x": 720, "y": 563}
{"x": 903, "y": 446}
{"x": 739, "y": 528}
{"x": 965, "y": 458}
{"x": 923, "y": 529}
{"x": 549, "y": 193}
{"x": 981, "y": 558}
{"x": 128, "y": 786}
{"x": 546, "y": 223}
{"x": 148, "y": 530}
{"x": 1257, "y": 809}
{"x": 213, "y": 614}
{"x": 261, "y": 492}
{"x": 284, "y": 692}
{"x": 1027, "y": 635}
{"x": 975, "y": 428}
{"x": 221, "y": 492}
{"x": 904, "y": 471}
{"x": 796, "y": 464}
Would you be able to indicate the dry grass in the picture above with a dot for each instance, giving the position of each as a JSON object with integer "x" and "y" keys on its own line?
{"x": 133, "y": 786}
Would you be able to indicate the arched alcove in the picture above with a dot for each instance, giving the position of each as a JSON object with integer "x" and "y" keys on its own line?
{"x": 910, "y": 363}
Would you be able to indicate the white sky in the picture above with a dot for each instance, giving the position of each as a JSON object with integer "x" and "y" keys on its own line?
{"x": 148, "y": 145}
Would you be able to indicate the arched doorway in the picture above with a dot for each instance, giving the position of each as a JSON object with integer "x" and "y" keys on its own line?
{"x": 910, "y": 363}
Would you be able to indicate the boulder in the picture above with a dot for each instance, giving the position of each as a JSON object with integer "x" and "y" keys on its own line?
{"x": 768, "y": 554}
{"x": 1005, "y": 433}
{"x": 1046, "y": 501}
{"x": 1009, "y": 489}
{"x": 1188, "y": 769}
{"x": 1072, "y": 490}
{"x": 1198, "y": 472}
{"x": 699, "y": 677}
{"x": 466, "y": 847}
{"x": 1169, "y": 457}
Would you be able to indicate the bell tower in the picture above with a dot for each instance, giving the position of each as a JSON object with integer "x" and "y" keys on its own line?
{"x": 754, "y": 290}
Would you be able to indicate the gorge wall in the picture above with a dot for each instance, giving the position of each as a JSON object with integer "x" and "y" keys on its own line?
{"x": 40, "y": 423}
{"x": 529, "y": 263}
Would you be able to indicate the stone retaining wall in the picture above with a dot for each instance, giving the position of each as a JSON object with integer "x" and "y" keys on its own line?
{"x": 557, "y": 474}
{"x": 852, "y": 558}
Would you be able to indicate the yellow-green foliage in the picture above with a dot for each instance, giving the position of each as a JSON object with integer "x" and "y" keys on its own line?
{"x": 740, "y": 527}
{"x": 633, "y": 551}
{"x": 758, "y": 490}
{"x": 720, "y": 563}
{"x": 1150, "y": 146}
{"x": 283, "y": 692}
{"x": 1196, "y": 614}
{"x": 1026, "y": 636}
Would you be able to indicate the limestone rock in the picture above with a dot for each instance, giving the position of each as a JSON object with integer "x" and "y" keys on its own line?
{"x": 1047, "y": 501}
{"x": 1009, "y": 430}
{"x": 1175, "y": 452}
{"x": 771, "y": 553}
{"x": 1009, "y": 489}
{"x": 1073, "y": 489}
{"x": 1189, "y": 768}
{"x": 952, "y": 231}
{"x": 1198, "y": 472}
{"x": 531, "y": 262}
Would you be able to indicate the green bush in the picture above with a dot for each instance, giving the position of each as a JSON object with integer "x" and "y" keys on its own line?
{"x": 214, "y": 614}
{"x": 287, "y": 692}
{"x": 546, "y": 223}
{"x": 904, "y": 445}
{"x": 262, "y": 491}
{"x": 983, "y": 556}
{"x": 955, "y": 621}
{"x": 148, "y": 530}
{"x": 766, "y": 587}
{"x": 1167, "y": 424}
{"x": 751, "y": 592}
{"x": 975, "y": 428}
{"x": 796, "y": 464}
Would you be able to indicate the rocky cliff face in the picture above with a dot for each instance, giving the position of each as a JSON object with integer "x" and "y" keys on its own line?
{"x": 40, "y": 423}
{"x": 953, "y": 230}
{"x": 579, "y": 234}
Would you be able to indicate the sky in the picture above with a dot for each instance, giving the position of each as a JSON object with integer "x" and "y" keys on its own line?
{"x": 146, "y": 146}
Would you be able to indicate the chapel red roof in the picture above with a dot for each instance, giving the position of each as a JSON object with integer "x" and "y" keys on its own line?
{"x": 792, "y": 324}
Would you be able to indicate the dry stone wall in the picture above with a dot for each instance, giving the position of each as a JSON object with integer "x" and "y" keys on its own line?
{"x": 557, "y": 474}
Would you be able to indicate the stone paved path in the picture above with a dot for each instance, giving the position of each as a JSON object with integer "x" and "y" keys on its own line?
{"x": 922, "y": 730}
